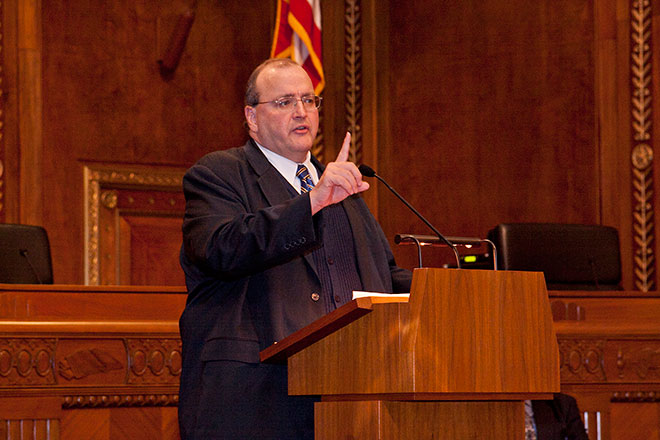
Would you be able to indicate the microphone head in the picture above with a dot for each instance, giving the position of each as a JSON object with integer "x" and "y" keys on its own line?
{"x": 367, "y": 171}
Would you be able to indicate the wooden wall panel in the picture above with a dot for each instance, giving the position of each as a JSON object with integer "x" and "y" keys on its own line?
{"x": 132, "y": 226}
{"x": 613, "y": 124}
{"x": 492, "y": 115}
{"x": 25, "y": 418}
{"x": 521, "y": 111}
{"x": 105, "y": 100}
{"x": 152, "y": 257}
{"x": 635, "y": 420}
{"x": 9, "y": 130}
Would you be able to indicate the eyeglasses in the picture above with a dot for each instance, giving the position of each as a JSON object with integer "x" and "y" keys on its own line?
{"x": 309, "y": 102}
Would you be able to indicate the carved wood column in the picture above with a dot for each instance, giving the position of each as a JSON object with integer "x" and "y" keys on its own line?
{"x": 641, "y": 73}
{"x": 624, "y": 85}
{"x": 30, "y": 111}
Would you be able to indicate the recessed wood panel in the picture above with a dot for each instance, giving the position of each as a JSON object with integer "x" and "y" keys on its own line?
{"x": 133, "y": 224}
{"x": 635, "y": 420}
{"x": 154, "y": 243}
{"x": 492, "y": 115}
{"x": 105, "y": 100}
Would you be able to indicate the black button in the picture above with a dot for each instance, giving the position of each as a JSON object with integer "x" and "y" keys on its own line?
{"x": 331, "y": 260}
{"x": 337, "y": 298}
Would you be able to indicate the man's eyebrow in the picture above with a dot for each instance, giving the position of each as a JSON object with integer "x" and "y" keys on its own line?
{"x": 293, "y": 95}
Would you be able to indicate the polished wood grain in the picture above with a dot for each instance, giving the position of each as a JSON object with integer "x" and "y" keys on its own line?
{"x": 30, "y": 418}
{"x": 612, "y": 104}
{"x": 491, "y": 116}
{"x": 89, "y": 362}
{"x": 609, "y": 360}
{"x": 383, "y": 420}
{"x": 30, "y": 111}
{"x": 463, "y": 353}
{"x": 462, "y": 332}
{"x": 635, "y": 420}
{"x": 100, "y": 304}
{"x": 149, "y": 249}
{"x": 279, "y": 352}
{"x": 103, "y": 100}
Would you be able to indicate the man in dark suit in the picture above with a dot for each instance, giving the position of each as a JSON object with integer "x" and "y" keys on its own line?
{"x": 272, "y": 240}
{"x": 558, "y": 419}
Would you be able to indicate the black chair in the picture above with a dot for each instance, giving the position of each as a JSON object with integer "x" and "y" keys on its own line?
{"x": 24, "y": 255}
{"x": 571, "y": 256}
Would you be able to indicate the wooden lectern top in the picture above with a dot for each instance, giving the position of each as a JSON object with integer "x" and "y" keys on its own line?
{"x": 470, "y": 333}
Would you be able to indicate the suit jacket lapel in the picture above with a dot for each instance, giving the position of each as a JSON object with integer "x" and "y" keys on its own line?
{"x": 271, "y": 183}
{"x": 269, "y": 180}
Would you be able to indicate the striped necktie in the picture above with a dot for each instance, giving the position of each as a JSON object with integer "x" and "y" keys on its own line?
{"x": 306, "y": 183}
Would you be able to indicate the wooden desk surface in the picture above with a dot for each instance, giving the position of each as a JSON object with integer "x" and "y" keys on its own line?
{"x": 87, "y": 303}
{"x": 67, "y": 349}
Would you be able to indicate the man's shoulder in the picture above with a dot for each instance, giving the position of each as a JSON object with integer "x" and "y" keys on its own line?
{"x": 220, "y": 157}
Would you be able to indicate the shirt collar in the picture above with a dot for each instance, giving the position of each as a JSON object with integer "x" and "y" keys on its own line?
{"x": 287, "y": 168}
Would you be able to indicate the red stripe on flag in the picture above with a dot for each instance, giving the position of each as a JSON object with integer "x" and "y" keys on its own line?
{"x": 296, "y": 17}
{"x": 283, "y": 33}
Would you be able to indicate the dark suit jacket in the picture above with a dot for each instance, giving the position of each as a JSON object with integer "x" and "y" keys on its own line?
{"x": 246, "y": 256}
{"x": 558, "y": 419}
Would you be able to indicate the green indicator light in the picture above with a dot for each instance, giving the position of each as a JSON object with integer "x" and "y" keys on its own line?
{"x": 470, "y": 258}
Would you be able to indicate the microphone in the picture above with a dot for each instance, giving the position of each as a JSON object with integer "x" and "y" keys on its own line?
{"x": 367, "y": 171}
{"x": 24, "y": 253}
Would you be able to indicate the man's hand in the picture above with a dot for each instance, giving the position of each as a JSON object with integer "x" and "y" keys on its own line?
{"x": 339, "y": 180}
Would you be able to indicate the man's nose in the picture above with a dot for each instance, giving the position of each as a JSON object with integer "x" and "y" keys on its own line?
{"x": 299, "y": 109}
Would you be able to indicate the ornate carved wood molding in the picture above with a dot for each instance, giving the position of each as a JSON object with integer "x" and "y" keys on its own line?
{"x": 582, "y": 360}
{"x": 642, "y": 152}
{"x": 635, "y": 396}
{"x": 154, "y": 361}
{"x": 353, "y": 76}
{"x": 27, "y": 361}
{"x": 119, "y": 400}
{"x": 99, "y": 177}
{"x": 610, "y": 360}
{"x": 317, "y": 146}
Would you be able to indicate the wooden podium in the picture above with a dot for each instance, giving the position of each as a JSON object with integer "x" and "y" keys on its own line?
{"x": 455, "y": 362}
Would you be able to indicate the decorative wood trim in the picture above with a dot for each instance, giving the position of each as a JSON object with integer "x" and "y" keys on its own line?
{"x": 317, "y": 147}
{"x": 98, "y": 178}
{"x": 353, "y": 76}
{"x": 635, "y": 396}
{"x": 154, "y": 361}
{"x": 27, "y": 361}
{"x": 582, "y": 360}
{"x": 642, "y": 152}
{"x": 119, "y": 400}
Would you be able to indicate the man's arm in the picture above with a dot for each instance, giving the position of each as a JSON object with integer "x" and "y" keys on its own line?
{"x": 227, "y": 237}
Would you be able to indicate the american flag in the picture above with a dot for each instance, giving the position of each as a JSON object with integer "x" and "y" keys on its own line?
{"x": 298, "y": 36}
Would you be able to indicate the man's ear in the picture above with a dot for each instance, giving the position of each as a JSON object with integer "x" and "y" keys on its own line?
{"x": 251, "y": 117}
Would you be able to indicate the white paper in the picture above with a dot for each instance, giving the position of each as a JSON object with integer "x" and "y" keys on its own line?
{"x": 361, "y": 294}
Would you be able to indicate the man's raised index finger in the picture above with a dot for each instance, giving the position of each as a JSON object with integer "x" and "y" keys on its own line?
{"x": 345, "y": 148}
